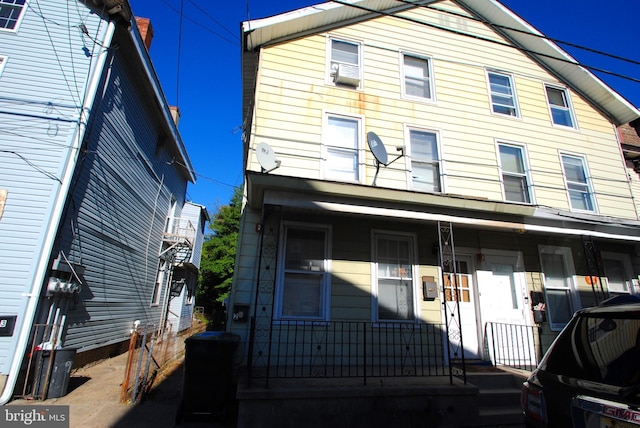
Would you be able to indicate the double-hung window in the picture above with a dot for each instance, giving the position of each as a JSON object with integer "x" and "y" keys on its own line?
{"x": 342, "y": 141}
{"x": 578, "y": 183}
{"x": 425, "y": 160}
{"x": 560, "y": 106}
{"x": 10, "y": 13}
{"x": 503, "y": 95}
{"x": 557, "y": 268}
{"x": 416, "y": 76}
{"x": 304, "y": 272}
{"x": 393, "y": 257}
{"x": 516, "y": 182}
{"x": 345, "y": 62}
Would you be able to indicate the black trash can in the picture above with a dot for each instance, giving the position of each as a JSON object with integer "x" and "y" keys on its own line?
{"x": 209, "y": 375}
{"x": 59, "y": 371}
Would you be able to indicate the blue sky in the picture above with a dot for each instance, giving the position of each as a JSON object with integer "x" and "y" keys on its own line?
{"x": 206, "y": 84}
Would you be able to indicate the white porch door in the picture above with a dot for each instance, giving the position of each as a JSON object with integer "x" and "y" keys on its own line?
{"x": 462, "y": 326}
{"x": 504, "y": 310}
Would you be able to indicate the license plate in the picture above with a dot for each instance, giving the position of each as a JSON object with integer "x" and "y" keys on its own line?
{"x": 612, "y": 423}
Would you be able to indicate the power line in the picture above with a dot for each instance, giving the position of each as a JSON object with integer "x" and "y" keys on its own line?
{"x": 234, "y": 35}
{"x": 193, "y": 21}
{"x": 179, "y": 48}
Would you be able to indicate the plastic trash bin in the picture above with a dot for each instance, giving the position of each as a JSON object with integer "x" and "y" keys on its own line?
{"x": 209, "y": 375}
{"x": 59, "y": 374}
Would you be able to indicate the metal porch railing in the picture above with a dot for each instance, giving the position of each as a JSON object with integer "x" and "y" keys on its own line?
{"x": 346, "y": 349}
{"x": 512, "y": 345}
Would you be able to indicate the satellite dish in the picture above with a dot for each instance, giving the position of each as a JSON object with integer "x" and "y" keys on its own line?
{"x": 377, "y": 148}
{"x": 266, "y": 157}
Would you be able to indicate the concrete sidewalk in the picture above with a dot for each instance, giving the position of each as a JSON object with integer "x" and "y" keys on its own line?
{"x": 94, "y": 398}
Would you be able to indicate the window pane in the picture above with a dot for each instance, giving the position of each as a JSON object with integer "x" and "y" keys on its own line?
{"x": 555, "y": 273}
{"x": 416, "y": 77}
{"x": 344, "y": 52}
{"x": 425, "y": 177}
{"x": 580, "y": 198}
{"x": 424, "y": 146}
{"x": 516, "y": 189}
{"x": 559, "y": 306}
{"x": 561, "y": 116}
{"x": 511, "y": 159}
{"x": 342, "y": 132}
{"x": 395, "y": 300}
{"x": 616, "y": 275}
{"x": 305, "y": 250}
{"x": 302, "y": 295}
{"x": 556, "y": 97}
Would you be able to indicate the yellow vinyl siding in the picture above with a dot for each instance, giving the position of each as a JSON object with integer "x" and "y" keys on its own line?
{"x": 293, "y": 96}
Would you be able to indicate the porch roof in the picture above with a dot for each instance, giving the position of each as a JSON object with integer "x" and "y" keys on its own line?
{"x": 358, "y": 199}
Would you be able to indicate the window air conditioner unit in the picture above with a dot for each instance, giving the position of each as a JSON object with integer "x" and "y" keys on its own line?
{"x": 347, "y": 75}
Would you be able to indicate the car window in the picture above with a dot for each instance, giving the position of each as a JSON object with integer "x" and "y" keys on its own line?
{"x": 600, "y": 350}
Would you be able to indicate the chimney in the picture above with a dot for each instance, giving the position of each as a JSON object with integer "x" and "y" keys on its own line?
{"x": 146, "y": 31}
{"x": 175, "y": 114}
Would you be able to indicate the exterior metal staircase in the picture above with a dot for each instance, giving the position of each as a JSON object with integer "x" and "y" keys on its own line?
{"x": 177, "y": 240}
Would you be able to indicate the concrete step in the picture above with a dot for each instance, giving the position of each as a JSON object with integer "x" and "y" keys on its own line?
{"x": 488, "y": 398}
{"x": 501, "y": 417}
{"x": 498, "y": 398}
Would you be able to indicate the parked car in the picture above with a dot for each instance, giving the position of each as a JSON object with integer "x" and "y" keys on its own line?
{"x": 590, "y": 376}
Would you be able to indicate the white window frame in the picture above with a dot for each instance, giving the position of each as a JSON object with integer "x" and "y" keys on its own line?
{"x": 514, "y": 94}
{"x": 20, "y": 17}
{"x": 3, "y": 63}
{"x": 330, "y": 72}
{"x": 325, "y": 284}
{"x": 626, "y": 264}
{"x": 429, "y": 80}
{"x": 568, "y": 108}
{"x": 409, "y": 157}
{"x": 526, "y": 174}
{"x": 588, "y": 185}
{"x": 415, "y": 307}
{"x": 571, "y": 287}
{"x": 327, "y": 146}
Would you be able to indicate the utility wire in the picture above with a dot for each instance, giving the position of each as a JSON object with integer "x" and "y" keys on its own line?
{"x": 179, "y": 48}
{"x": 234, "y": 35}
{"x": 204, "y": 27}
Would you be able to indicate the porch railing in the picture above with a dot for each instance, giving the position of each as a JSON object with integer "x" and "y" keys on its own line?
{"x": 512, "y": 345}
{"x": 346, "y": 349}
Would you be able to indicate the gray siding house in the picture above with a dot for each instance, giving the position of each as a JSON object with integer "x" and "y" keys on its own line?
{"x": 92, "y": 185}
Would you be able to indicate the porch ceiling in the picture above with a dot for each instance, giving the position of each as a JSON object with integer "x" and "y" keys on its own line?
{"x": 358, "y": 199}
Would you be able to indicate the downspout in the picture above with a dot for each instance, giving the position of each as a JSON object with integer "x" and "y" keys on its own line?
{"x": 56, "y": 214}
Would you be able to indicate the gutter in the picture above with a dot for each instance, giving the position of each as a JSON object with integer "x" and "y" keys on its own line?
{"x": 56, "y": 214}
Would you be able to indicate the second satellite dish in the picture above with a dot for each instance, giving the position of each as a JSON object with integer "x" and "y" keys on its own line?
{"x": 379, "y": 152}
{"x": 266, "y": 157}
{"x": 377, "y": 148}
